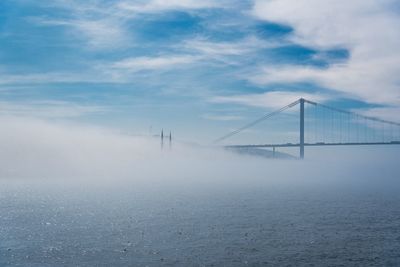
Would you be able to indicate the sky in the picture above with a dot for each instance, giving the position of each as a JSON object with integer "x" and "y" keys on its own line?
{"x": 197, "y": 68}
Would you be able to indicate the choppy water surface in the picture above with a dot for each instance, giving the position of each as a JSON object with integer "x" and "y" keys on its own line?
{"x": 54, "y": 224}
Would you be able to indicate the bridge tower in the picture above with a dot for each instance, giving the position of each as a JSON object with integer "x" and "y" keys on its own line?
{"x": 302, "y": 128}
{"x": 162, "y": 138}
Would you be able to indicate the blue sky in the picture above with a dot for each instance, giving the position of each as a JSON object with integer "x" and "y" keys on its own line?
{"x": 199, "y": 68}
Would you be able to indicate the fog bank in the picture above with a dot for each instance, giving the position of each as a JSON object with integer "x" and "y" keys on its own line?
{"x": 32, "y": 149}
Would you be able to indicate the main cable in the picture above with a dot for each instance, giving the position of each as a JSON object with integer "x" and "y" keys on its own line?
{"x": 256, "y": 122}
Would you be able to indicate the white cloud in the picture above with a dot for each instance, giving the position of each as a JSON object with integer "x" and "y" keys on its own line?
{"x": 100, "y": 33}
{"x": 53, "y": 77}
{"x": 275, "y": 99}
{"x": 154, "y": 63}
{"x": 369, "y": 29}
{"x": 232, "y": 53}
{"x": 100, "y": 24}
{"x": 237, "y": 48}
{"x": 110, "y": 72}
{"x": 218, "y": 48}
{"x": 103, "y": 33}
{"x": 162, "y": 5}
{"x": 48, "y": 109}
{"x": 215, "y": 117}
{"x": 104, "y": 24}
{"x": 386, "y": 113}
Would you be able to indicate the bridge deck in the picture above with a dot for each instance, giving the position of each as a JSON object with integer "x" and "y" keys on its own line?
{"x": 314, "y": 144}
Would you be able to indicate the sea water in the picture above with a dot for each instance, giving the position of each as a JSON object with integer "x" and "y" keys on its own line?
{"x": 266, "y": 213}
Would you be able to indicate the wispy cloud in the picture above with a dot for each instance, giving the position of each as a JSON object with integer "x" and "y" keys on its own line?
{"x": 102, "y": 33}
{"x": 53, "y": 77}
{"x": 119, "y": 71}
{"x": 353, "y": 82}
{"x": 154, "y": 63}
{"x": 162, "y": 5}
{"x": 49, "y": 109}
{"x": 102, "y": 25}
{"x": 219, "y": 48}
{"x": 387, "y": 113}
{"x": 368, "y": 29}
{"x": 105, "y": 25}
{"x": 216, "y": 117}
{"x": 274, "y": 99}
{"x": 232, "y": 52}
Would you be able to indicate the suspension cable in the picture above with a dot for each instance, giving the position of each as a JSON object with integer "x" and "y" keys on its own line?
{"x": 256, "y": 121}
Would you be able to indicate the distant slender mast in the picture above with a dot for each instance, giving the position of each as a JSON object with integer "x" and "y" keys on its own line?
{"x": 162, "y": 139}
{"x": 170, "y": 140}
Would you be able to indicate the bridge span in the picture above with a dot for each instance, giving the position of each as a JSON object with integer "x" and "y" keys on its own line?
{"x": 346, "y": 128}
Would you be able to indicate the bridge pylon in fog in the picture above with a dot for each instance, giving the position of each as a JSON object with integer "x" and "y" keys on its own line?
{"x": 301, "y": 145}
{"x": 162, "y": 136}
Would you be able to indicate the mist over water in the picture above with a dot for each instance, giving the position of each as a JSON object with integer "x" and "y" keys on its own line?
{"x": 73, "y": 195}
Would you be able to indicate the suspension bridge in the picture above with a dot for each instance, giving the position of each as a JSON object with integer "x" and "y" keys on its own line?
{"x": 323, "y": 125}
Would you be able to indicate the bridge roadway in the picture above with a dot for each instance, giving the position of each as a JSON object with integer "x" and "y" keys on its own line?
{"x": 314, "y": 144}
